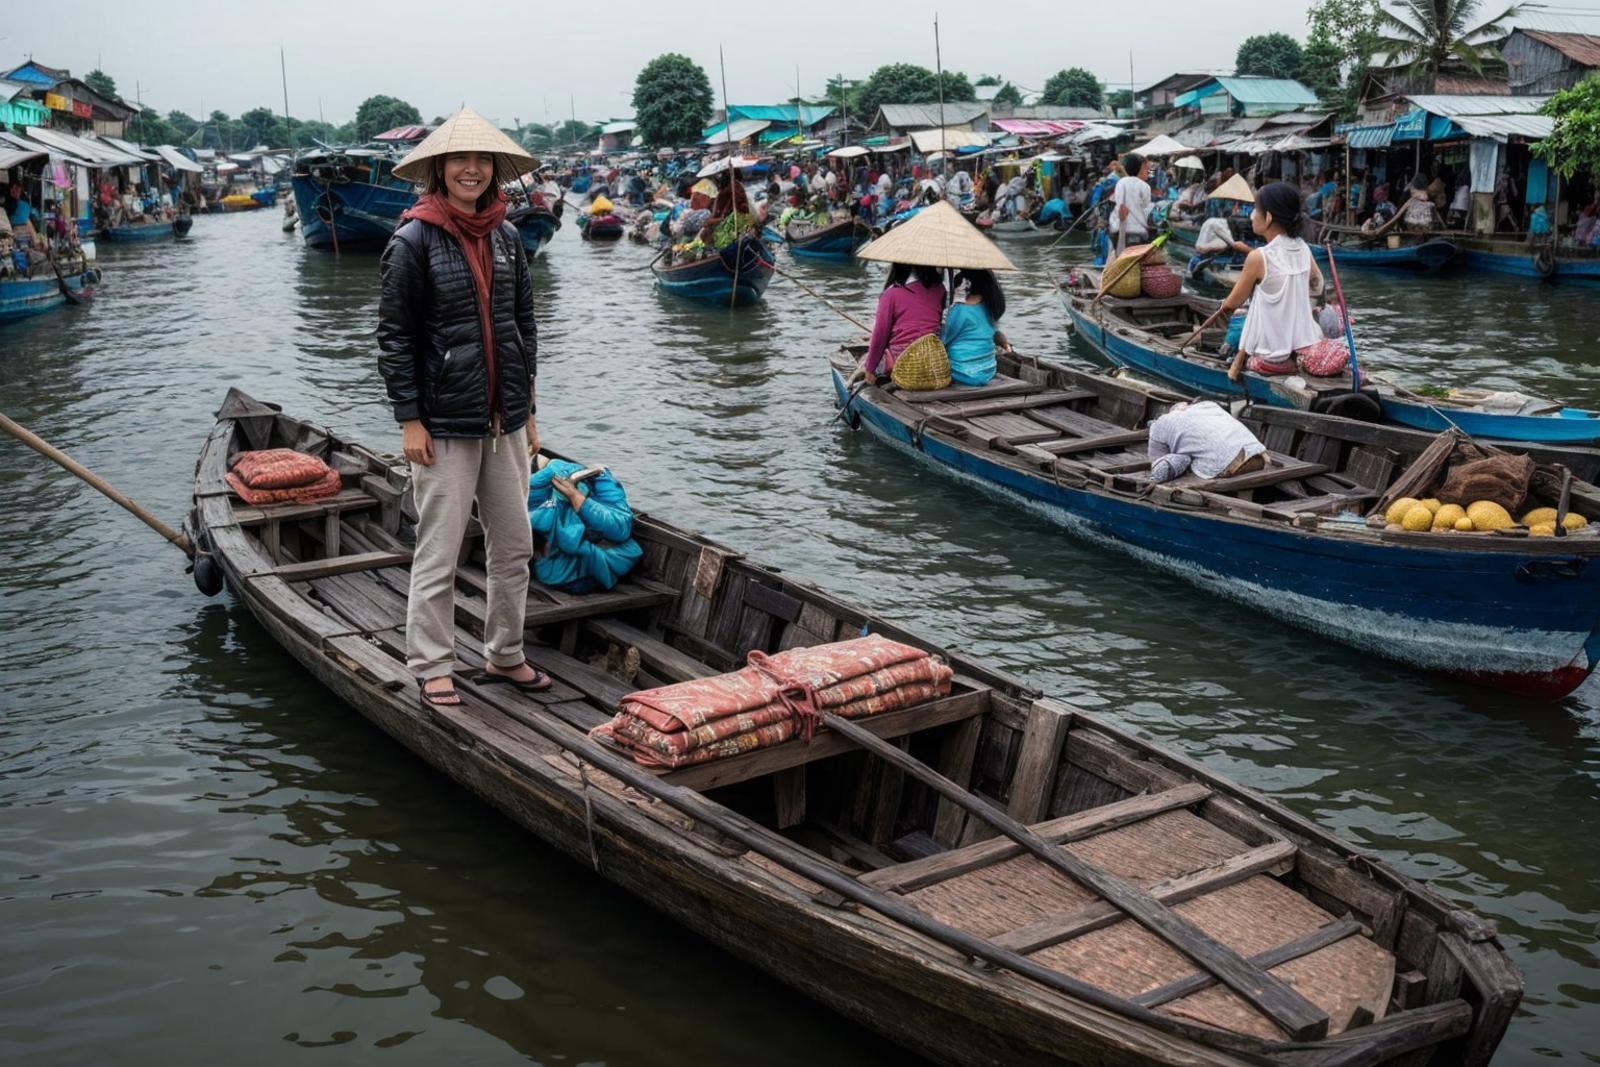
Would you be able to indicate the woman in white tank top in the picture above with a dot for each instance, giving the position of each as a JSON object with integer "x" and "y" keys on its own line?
{"x": 1278, "y": 281}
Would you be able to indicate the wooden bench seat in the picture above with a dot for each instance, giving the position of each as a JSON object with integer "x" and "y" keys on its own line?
{"x": 347, "y": 500}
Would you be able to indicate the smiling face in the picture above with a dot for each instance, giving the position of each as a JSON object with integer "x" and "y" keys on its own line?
{"x": 467, "y": 177}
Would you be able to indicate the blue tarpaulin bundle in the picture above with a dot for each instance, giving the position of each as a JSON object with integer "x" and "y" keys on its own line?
{"x": 588, "y": 549}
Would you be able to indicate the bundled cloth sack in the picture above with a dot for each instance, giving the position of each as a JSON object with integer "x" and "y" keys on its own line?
{"x": 280, "y": 476}
{"x": 601, "y": 206}
{"x": 773, "y": 699}
{"x": 588, "y": 549}
{"x": 1500, "y": 477}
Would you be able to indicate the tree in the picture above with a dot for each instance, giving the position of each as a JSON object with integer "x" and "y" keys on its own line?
{"x": 1321, "y": 69}
{"x": 260, "y": 125}
{"x": 1426, "y": 35}
{"x": 1574, "y": 143}
{"x": 379, "y": 113}
{"x": 671, "y": 101}
{"x": 1008, "y": 96}
{"x": 1073, "y": 87}
{"x": 907, "y": 83}
{"x": 1268, "y": 55}
{"x": 572, "y": 131}
{"x": 988, "y": 79}
{"x": 1122, "y": 99}
{"x": 149, "y": 128}
{"x": 1349, "y": 25}
{"x": 101, "y": 82}
{"x": 183, "y": 126}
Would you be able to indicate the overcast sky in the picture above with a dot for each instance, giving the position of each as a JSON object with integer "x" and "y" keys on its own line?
{"x": 527, "y": 60}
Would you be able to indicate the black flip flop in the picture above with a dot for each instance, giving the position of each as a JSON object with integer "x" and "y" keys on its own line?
{"x": 541, "y": 681}
{"x": 440, "y": 698}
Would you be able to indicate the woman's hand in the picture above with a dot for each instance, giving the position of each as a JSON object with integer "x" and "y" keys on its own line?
{"x": 566, "y": 488}
{"x": 417, "y": 442}
{"x": 869, "y": 377}
{"x": 533, "y": 437}
{"x": 1236, "y": 368}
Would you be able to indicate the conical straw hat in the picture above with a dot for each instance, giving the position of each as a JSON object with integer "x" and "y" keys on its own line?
{"x": 938, "y": 236}
{"x": 1235, "y": 188}
{"x": 466, "y": 131}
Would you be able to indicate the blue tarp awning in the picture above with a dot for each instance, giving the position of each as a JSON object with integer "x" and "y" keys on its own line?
{"x": 1370, "y": 136}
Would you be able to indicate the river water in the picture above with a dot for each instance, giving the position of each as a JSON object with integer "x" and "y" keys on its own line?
{"x": 203, "y": 855}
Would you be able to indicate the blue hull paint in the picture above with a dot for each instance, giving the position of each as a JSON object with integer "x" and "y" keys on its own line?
{"x": 1520, "y": 264}
{"x": 1582, "y": 429}
{"x": 1425, "y": 258}
{"x": 365, "y": 215}
{"x": 1490, "y": 615}
{"x": 536, "y": 230}
{"x": 837, "y": 242}
{"x": 709, "y": 281}
{"x": 149, "y": 231}
{"x": 27, "y": 297}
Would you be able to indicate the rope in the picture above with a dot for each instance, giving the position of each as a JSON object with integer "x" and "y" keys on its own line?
{"x": 857, "y": 323}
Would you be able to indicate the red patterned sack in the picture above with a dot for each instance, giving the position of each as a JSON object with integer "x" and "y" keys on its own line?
{"x": 1263, "y": 365}
{"x": 1160, "y": 281}
{"x": 278, "y": 468}
{"x": 328, "y": 485}
{"x": 1328, "y": 358}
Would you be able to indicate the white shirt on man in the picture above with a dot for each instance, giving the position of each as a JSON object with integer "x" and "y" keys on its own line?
{"x": 1215, "y": 236}
{"x": 1134, "y": 194}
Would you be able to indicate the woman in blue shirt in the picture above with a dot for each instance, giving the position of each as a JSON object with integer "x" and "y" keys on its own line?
{"x": 971, "y": 331}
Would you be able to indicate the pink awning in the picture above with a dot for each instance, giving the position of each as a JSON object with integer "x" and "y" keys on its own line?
{"x": 1036, "y": 127}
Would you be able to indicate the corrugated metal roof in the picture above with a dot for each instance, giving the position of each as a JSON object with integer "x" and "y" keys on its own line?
{"x": 1454, "y": 106}
{"x": 625, "y": 126}
{"x": 129, "y": 147}
{"x": 1533, "y": 127}
{"x": 177, "y": 160}
{"x": 921, "y": 116}
{"x": 1582, "y": 48}
{"x": 1370, "y": 136}
{"x": 1035, "y": 127}
{"x": 10, "y": 90}
{"x": 11, "y": 157}
{"x": 1267, "y": 91}
{"x": 935, "y": 139}
{"x": 97, "y": 153}
{"x": 739, "y": 130}
{"x": 18, "y": 141}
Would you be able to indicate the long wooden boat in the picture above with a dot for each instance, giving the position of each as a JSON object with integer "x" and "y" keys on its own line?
{"x": 349, "y": 198}
{"x": 1508, "y": 610}
{"x": 840, "y": 865}
{"x": 1515, "y": 256}
{"x": 737, "y": 276}
{"x": 1417, "y": 253}
{"x": 601, "y": 227}
{"x": 1145, "y": 334}
{"x": 22, "y": 298}
{"x": 535, "y": 225}
{"x": 158, "y": 230}
{"x": 833, "y": 241}
{"x": 1021, "y": 230}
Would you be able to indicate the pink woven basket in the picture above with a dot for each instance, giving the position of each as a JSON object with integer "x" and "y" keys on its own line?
{"x": 1160, "y": 281}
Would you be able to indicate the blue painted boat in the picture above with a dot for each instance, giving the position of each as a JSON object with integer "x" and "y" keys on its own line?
{"x": 536, "y": 226}
{"x": 735, "y": 277}
{"x": 581, "y": 183}
{"x": 1428, "y": 255}
{"x": 22, "y": 298}
{"x": 146, "y": 231}
{"x": 1503, "y": 609}
{"x": 1518, "y": 259}
{"x": 835, "y": 241}
{"x": 1120, "y": 331}
{"x": 265, "y": 197}
{"x": 601, "y": 227}
{"x": 349, "y": 198}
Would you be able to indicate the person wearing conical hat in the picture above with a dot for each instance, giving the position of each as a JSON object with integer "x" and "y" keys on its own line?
{"x": 457, "y": 344}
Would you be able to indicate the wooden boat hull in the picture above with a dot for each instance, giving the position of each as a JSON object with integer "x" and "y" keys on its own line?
{"x": 536, "y": 228}
{"x": 1426, "y": 257}
{"x": 1493, "y": 258}
{"x": 24, "y": 298}
{"x": 1570, "y": 438}
{"x": 837, "y": 242}
{"x": 147, "y": 231}
{"x": 1021, "y": 230}
{"x": 1528, "y": 623}
{"x": 749, "y": 898}
{"x": 712, "y": 280}
{"x": 604, "y": 228}
{"x": 361, "y": 215}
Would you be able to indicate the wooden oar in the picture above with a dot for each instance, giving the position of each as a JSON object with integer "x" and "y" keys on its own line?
{"x": 45, "y": 448}
{"x": 61, "y": 283}
{"x": 1193, "y": 337}
{"x": 826, "y": 302}
{"x": 1349, "y": 334}
{"x": 1085, "y": 213}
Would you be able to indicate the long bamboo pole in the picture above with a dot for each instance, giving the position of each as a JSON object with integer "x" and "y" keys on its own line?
{"x": 45, "y": 448}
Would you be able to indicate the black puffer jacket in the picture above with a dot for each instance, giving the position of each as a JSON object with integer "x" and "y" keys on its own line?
{"x": 430, "y": 340}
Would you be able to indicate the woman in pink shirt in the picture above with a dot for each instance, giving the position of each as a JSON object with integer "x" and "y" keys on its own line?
{"x": 912, "y": 306}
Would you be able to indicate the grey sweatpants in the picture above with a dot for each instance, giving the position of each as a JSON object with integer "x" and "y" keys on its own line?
{"x": 494, "y": 471}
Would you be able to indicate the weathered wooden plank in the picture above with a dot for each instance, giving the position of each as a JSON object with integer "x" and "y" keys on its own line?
{"x": 676, "y": 666}
{"x": 1095, "y": 444}
{"x": 918, "y": 874}
{"x": 323, "y": 568}
{"x": 956, "y": 754}
{"x": 766, "y": 761}
{"x": 1002, "y": 405}
{"x": 347, "y": 500}
{"x": 1303, "y": 945}
{"x": 1034, "y": 777}
{"x": 998, "y": 386}
{"x": 789, "y": 797}
{"x": 1040, "y": 935}
{"x": 774, "y": 602}
{"x": 624, "y": 598}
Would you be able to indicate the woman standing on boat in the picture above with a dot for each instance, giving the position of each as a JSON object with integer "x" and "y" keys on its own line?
{"x": 456, "y": 333}
{"x": 1277, "y": 281}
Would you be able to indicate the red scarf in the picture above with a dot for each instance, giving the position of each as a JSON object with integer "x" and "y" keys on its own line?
{"x": 472, "y": 232}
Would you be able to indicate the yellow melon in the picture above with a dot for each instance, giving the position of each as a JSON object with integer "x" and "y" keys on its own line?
{"x": 1543, "y": 529}
{"x": 1538, "y": 515}
{"x": 1463, "y": 525}
{"x": 1418, "y": 518}
{"x": 1445, "y": 518}
{"x": 1432, "y": 504}
{"x": 1574, "y": 521}
{"x": 1487, "y": 515}
{"x": 1398, "y": 509}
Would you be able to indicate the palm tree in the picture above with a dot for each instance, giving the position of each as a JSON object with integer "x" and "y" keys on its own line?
{"x": 1428, "y": 35}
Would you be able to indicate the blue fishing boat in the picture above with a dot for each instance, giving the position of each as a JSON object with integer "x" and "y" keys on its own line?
{"x": 157, "y": 230}
{"x": 735, "y": 277}
{"x": 535, "y": 225}
{"x": 22, "y": 298}
{"x": 1517, "y": 258}
{"x": 836, "y": 241}
{"x": 349, "y": 198}
{"x": 1303, "y": 540}
{"x": 1148, "y": 335}
{"x": 1414, "y": 253}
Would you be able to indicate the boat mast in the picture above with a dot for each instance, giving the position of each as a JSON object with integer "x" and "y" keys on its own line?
{"x": 288, "y": 124}
{"x": 938, "y": 66}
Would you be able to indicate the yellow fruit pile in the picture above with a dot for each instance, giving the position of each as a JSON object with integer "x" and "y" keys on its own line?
{"x": 1409, "y": 513}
